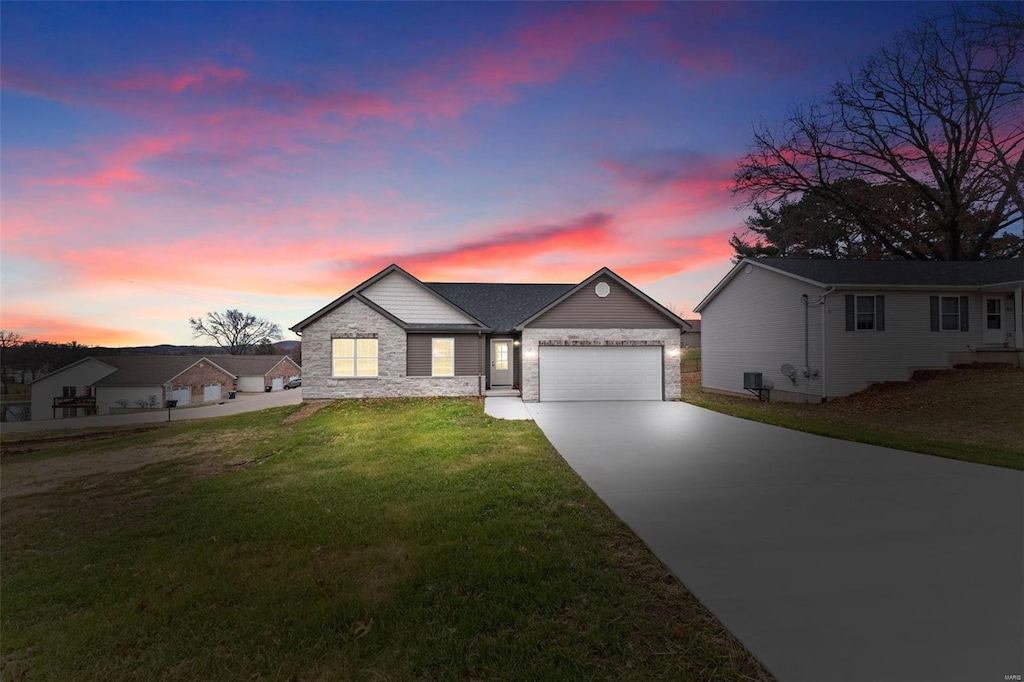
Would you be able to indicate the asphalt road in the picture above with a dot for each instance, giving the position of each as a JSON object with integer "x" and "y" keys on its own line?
{"x": 245, "y": 402}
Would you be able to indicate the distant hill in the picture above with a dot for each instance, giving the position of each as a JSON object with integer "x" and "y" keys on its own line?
{"x": 169, "y": 349}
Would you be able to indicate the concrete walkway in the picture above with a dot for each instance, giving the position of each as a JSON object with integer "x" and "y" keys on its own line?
{"x": 245, "y": 402}
{"x": 829, "y": 560}
{"x": 506, "y": 408}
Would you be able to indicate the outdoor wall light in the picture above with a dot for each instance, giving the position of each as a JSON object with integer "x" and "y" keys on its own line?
{"x": 517, "y": 342}
{"x": 673, "y": 352}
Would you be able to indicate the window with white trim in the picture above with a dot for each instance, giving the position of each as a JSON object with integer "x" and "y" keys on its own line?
{"x": 442, "y": 357}
{"x": 354, "y": 357}
{"x": 949, "y": 307}
{"x": 866, "y": 313}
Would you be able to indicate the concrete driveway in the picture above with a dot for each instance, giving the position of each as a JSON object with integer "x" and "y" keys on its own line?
{"x": 245, "y": 402}
{"x": 829, "y": 560}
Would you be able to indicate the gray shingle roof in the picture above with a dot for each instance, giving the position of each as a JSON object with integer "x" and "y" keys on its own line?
{"x": 500, "y": 306}
{"x": 248, "y": 365}
{"x": 901, "y": 272}
{"x": 146, "y": 370}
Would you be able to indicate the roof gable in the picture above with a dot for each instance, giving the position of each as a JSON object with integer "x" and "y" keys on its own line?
{"x": 399, "y": 289}
{"x": 252, "y": 365}
{"x": 605, "y": 272}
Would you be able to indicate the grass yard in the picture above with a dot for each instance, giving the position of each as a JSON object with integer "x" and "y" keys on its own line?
{"x": 410, "y": 539}
{"x": 972, "y": 414}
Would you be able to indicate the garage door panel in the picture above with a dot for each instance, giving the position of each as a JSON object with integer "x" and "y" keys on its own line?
{"x": 600, "y": 373}
{"x": 182, "y": 395}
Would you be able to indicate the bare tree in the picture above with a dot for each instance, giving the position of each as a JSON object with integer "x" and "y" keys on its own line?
{"x": 937, "y": 117}
{"x": 234, "y": 330}
{"x": 8, "y": 339}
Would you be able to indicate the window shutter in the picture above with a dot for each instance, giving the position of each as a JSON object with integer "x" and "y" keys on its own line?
{"x": 963, "y": 314}
{"x": 850, "y": 316}
{"x": 880, "y": 313}
{"x": 934, "y": 301}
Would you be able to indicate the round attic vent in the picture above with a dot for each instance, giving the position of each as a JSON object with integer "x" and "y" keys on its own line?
{"x": 602, "y": 289}
{"x": 748, "y": 269}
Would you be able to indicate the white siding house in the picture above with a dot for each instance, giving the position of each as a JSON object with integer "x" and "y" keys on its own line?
{"x": 70, "y": 388}
{"x": 844, "y": 325}
{"x": 757, "y": 324}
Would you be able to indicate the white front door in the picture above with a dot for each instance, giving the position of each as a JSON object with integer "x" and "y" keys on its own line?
{"x": 501, "y": 362}
{"x": 211, "y": 393}
{"x": 993, "y": 324}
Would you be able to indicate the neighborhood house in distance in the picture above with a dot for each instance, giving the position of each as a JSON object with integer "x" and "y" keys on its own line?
{"x": 807, "y": 330}
{"x": 393, "y": 335}
{"x": 105, "y": 384}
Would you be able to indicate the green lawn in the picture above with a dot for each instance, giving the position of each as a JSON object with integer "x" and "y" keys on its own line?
{"x": 971, "y": 414}
{"x": 369, "y": 540}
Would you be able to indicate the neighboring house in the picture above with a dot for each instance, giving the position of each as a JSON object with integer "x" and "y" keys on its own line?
{"x": 393, "y": 335}
{"x": 95, "y": 385}
{"x": 820, "y": 329}
{"x": 258, "y": 372}
{"x": 692, "y": 338}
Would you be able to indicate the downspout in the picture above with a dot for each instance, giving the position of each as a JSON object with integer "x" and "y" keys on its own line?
{"x": 1018, "y": 319}
{"x": 824, "y": 343}
{"x": 480, "y": 363}
{"x": 807, "y": 335}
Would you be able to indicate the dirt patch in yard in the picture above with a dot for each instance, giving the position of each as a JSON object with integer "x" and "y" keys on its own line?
{"x": 308, "y": 408}
{"x": 45, "y": 475}
{"x": 972, "y": 403}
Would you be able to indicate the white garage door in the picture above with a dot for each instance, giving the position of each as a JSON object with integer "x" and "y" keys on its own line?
{"x": 182, "y": 395}
{"x": 278, "y": 384}
{"x": 250, "y": 384}
{"x": 211, "y": 393}
{"x": 600, "y": 373}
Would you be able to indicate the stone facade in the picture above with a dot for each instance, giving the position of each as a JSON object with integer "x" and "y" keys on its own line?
{"x": 197, "y": 378}
{"x": 533, "y": 338}
{"x": 356, "y": 319}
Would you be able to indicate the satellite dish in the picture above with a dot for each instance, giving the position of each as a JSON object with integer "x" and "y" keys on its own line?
{"x": 788, "y": 370}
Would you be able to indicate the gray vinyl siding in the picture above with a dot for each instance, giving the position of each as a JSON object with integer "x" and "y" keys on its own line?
{"x": 467, "y": 354}
{"x": 756, "y": 324}
{"x": 620, "y": 309}
{"x": 857, "y": 359}
{"x": 411, "y": 303}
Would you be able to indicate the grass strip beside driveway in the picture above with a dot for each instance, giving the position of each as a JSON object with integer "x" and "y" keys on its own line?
{"x": 971, "y": 414}
{"x": 373, "y": 539}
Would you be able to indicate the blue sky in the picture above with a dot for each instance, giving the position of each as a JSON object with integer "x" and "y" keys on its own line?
{"x": 165, "y": 159}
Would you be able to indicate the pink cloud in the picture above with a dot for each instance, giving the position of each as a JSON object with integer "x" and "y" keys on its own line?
{"x": 119, "y": 162}
{"x": 59, "y": 329}
{"x": 205, "y": 78}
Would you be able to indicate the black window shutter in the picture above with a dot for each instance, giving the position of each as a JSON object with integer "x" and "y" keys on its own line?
{"x": 963, "y": 314}
{"x": 934, "y": 300}
{"x": 880, "y": 313}
{"x": 850, "y": 315}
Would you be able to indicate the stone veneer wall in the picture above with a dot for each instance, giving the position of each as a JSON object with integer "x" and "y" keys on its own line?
{"x": 355, "y": 318}
{"x": 669, "y": 338}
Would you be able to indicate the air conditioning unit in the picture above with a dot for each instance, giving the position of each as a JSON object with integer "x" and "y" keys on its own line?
{"x": 752, "y": 381}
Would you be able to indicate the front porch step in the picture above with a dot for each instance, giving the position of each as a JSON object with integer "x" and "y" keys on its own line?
{"x": 502, "y": 393}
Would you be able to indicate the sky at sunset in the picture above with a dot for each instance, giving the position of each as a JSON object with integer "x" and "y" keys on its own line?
{"x": 160, "y": 160}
